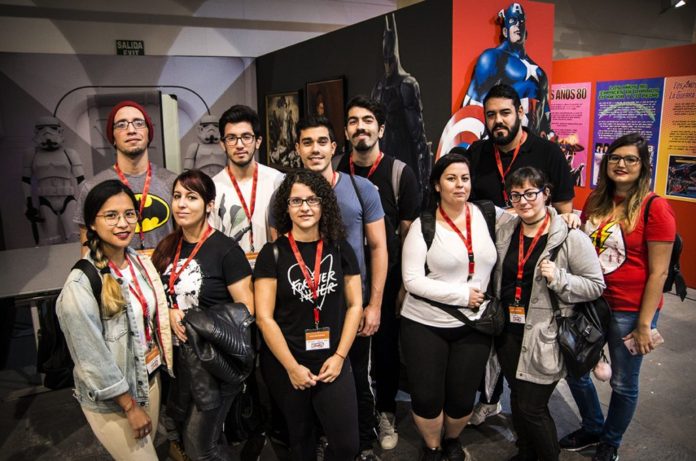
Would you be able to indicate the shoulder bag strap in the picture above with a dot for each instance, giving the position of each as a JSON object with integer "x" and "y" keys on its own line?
{"x": 451, "y": 310}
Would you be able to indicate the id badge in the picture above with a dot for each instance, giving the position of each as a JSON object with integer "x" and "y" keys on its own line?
{"x": 251, "y": 257}
{"x": 317, "y": 339}
{"x": 153, "y": 360}
{"x": 516, "y": 314}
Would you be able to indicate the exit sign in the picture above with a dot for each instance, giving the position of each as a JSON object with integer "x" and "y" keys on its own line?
{"x": 130, "y": 47}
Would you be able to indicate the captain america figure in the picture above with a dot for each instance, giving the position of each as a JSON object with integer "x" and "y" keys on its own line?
{"x": 509, "y": 63}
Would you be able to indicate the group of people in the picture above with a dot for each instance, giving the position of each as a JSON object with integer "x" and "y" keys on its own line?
{"x": 346, "y": 276}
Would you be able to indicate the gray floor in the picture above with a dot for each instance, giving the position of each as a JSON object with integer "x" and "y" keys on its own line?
{"x": 50, "y": 425}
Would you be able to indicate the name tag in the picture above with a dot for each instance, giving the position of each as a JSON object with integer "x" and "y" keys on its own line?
{"x": 251, "y": 257}
{"x": 153, "y": 360}
{"x": 317, "y": 339}
{"x": 516, "y": 314}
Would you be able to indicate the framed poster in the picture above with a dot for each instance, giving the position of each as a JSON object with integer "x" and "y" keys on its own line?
{"x": 325, "y": 98}
{"x": 282, "y": 114}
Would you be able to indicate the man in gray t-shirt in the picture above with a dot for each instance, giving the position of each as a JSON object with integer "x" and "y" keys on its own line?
{"x": 129, "y": 128}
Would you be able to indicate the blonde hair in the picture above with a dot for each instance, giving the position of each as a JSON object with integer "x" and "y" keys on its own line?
{"x": 112, "y": 301}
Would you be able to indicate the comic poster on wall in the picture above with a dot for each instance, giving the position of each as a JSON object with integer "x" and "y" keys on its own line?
{"x": 676, "y": 165}
{"x": 626, "y": 106}
{"x": 570, "y": 105}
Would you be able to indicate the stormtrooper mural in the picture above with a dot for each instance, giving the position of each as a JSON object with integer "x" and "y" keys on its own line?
{"x": 50, "y": 175}
{"x": 207, "y": 154}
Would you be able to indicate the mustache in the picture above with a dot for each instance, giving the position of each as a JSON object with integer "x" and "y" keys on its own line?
{"x": 359, "y": 132}
{"x": 500, "y": 125}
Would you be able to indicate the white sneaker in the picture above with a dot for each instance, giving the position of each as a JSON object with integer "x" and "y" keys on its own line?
{"x": 483, "y": 411}
{"x": 388, "y": 437}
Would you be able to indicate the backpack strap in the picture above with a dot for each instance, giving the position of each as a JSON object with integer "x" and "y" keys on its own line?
{"x": 487, "y": 208}
{"x": 93, "y": 276}
{"x": 396, "y": 172}
{"x": 335, "y": 161}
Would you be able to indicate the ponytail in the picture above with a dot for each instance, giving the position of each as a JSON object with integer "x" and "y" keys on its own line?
{"x": 112, "y": 301}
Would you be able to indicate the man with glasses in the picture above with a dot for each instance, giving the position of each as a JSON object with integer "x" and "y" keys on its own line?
{"x": 130, "y": 130}
{"x": 508, "y": 147}
{"x": 244, "y": 187}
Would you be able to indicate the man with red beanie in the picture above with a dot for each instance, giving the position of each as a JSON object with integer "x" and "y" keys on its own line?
{"x": 130, "y": 130}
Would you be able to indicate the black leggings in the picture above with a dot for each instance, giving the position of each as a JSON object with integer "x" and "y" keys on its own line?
{"x": 334, "y": 404}
{"x": 536, "y": 430}
{"x": 444, "y": 367}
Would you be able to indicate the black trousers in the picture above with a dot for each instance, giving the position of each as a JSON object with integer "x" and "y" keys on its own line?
{"x": 385, "y": 346}
{"x": 536, "y": 430}
{"x": 202, "y": 431}
{"x": 367, "y": 418}
{"x": 334, "y": 405}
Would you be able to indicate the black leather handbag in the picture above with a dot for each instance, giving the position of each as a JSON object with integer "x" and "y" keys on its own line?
{"x": 583, "y": 334}
{"x": 491, "y": 322}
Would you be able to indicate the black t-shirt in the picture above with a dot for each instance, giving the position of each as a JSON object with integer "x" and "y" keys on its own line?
{"x": 409, "y": 197}
{"x": 507, "y": 288}
{"x": 536, "y": 152}
{"x": 294, "y": 306}
{"x": 219, "y": 263}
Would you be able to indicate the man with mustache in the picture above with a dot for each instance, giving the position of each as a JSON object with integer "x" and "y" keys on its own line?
{"x": 398, "y": 191}
{"x": 507, "y": 148}
{"x": 245, "y": 187}
{"x": 129, "y": 128}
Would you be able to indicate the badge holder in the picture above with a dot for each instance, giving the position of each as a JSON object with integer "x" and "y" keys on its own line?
{"x": 317, "y": 339}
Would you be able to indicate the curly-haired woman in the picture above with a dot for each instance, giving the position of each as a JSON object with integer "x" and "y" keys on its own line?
{"x": 308, "y": 307}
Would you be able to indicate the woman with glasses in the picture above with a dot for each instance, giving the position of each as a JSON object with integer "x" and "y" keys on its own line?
{"x": 119, "y": 338}
{"x": 634, "y": 252}
{"x": 445, "y": 358}
{"x": 201, "y": 267}
{"x": 525, "y": 280}
{"x": 308, "y": 300}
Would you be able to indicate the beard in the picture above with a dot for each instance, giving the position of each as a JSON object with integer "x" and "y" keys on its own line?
{"x": 362, "y": 145}
{"x": 242, "y": 164}
{"x": 512, "y": 132}
{"x": 134, "y": 151}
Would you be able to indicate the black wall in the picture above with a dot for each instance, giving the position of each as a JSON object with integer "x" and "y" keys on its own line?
{"x": 355, "y": 53}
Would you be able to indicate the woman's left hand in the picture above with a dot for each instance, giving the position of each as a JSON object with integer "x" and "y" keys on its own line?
{"x": 175, "y": 322}
{"x": 331, "y": 369}
{"x": 571, "y": 219}
{"x": 643, "y": 340}
{"x": 548, "y": 270}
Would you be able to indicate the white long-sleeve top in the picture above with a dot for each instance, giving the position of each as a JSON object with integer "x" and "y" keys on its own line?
{"x": 448, "y": 262}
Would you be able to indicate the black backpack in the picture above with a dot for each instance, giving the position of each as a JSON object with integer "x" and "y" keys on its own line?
{"x": 674, "y": 276}
{"x": 53, "y": 355}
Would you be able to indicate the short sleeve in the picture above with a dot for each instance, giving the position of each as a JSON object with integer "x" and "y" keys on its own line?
{"x": 370, "y": 196}
{"x": 78, "y": 218}
{"x": 662, "y": 225}
{"x": 349, "y": 262}
{"x": 408, "y": 200}
{"x": 265, "y": 266}
{"x": 235, "y": 266}
{"x": 560, "y": 175}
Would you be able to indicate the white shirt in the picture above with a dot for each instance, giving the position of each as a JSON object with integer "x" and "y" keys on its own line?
{"x": 228, "y": 216}
{"x": 448, "y": 261}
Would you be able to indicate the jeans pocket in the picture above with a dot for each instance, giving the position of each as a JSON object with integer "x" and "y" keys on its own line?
{"x": 115, "y": 327}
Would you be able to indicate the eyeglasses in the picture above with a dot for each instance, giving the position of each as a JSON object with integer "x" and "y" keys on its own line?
{"x": 138, "y": 124}
{"x": 629, "y": 160}
{"x": 231, "y": 140}
{"x": 296, "y": 202}
{"x": 111, "y": 218}
{"x": 529, "y": 195}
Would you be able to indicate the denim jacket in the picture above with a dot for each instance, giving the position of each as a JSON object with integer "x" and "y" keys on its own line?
{"x": 578, "y": 277}
{"x": 109, "y": 358}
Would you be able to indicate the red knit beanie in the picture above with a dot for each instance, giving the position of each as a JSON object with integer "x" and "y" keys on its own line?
{"x": 112, "y": 114}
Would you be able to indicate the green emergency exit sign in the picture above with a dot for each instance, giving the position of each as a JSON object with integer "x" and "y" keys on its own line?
{"x": 130, "y": 47}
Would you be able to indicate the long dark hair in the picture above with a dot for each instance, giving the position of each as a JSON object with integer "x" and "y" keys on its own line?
{"x": 330, "y": 223}
{"x": 600, "y": 203}
{"x": 440, "y": 166}
{"x": 112, "y": 301}
{"x": 195, "y": 181}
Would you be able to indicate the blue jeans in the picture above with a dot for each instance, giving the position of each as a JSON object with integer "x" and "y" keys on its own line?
{"x": 624, "y": 385}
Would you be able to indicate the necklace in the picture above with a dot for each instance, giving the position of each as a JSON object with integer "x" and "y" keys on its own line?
{"x": 533, "y": 222}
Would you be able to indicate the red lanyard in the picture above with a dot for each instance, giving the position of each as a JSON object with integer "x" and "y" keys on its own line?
{"x": 138, "y": 293}
{"x": 522, "y": 257}
{"x": 372, "y": 168}
{"x": 143, "y": 196}
{"x": 499, "y": 162}
{"x": 248, "y": 210}
{"x": 174, "y": 274}
{"x": 313, "y": 284}
{"x": 467, "y": 240}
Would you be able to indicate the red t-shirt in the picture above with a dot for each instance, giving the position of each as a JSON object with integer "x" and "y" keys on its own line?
{"x": 624, "y": 256}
